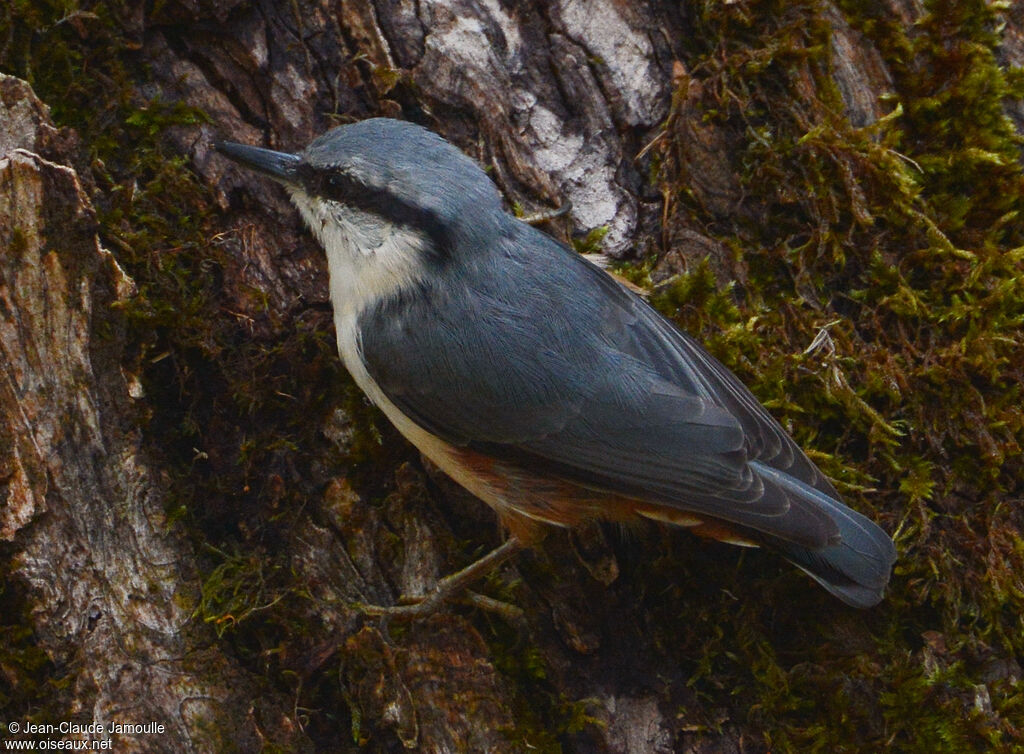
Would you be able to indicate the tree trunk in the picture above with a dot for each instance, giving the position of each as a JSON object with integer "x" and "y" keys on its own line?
{"x": 194, "y": 495}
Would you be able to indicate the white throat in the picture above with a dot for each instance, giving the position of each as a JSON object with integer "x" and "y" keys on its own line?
{"x": 369, "y": 260}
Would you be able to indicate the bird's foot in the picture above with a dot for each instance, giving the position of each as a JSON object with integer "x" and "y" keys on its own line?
{"x": 452, "y": 586}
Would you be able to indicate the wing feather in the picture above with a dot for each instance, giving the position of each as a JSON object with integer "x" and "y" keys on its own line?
{"x": 552, "y": 364}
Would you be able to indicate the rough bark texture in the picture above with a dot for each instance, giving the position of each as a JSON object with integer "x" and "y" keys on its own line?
{"x": 193, "y": 496}
{"x": 107, "y": 580}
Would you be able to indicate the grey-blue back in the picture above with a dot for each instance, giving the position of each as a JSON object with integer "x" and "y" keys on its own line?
{"x": 529, "y": 353}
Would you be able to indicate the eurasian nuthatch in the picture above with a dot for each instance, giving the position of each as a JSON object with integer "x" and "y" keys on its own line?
{"x": 537, "y": 381}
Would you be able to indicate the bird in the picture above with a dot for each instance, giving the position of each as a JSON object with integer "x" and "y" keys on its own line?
{"x": 537, "y": 381}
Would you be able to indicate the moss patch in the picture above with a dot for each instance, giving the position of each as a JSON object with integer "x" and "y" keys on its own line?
{"x": 31, "y": 686}
{"x": 877, "y": 310}
{"x": 225, "y": 410}
{"x": 879, "y": 317}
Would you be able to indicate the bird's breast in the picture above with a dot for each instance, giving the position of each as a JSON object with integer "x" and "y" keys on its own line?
{"x": 447, "y": 457}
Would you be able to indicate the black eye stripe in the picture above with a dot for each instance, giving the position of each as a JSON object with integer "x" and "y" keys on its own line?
{"x": 346, "y": 189}
{"x": 340, "y": 187}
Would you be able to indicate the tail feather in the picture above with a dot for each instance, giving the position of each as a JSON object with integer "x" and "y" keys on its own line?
{"x": 856, "y": 568}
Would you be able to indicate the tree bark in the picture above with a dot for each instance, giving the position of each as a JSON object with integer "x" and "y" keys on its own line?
{"x": 106, "y": 579}
{"x": 191, "y": 511}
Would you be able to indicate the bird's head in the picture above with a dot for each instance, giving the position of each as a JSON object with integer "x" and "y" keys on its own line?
{"x": 379, "y": 185}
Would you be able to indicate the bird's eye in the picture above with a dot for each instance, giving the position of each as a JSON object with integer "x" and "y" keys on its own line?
{"x": 337, "y": 185}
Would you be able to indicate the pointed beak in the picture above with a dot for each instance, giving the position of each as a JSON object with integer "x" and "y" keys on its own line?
{"x": 280, "y": 166}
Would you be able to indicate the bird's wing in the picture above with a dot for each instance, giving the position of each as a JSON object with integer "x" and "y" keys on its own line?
{"x": 553, "y": 365}
{"x": 675, "y": 352}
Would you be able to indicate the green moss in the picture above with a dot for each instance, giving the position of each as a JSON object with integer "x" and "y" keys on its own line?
{"x": 31, "y": 686}
{"x": 592, "y": 241}
{"x": 879, "y": 318}
{"x": 18, "y": 242}
{"x": 878, "y": 314}
{"x": 228, "y": 403}
{"x": 236, "y": 588}
{"x": 542, "y": 715}
{"x": 539, "y": 713}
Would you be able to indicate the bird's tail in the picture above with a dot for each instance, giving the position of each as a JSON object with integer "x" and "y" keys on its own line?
{"x": 856, "y": 568}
